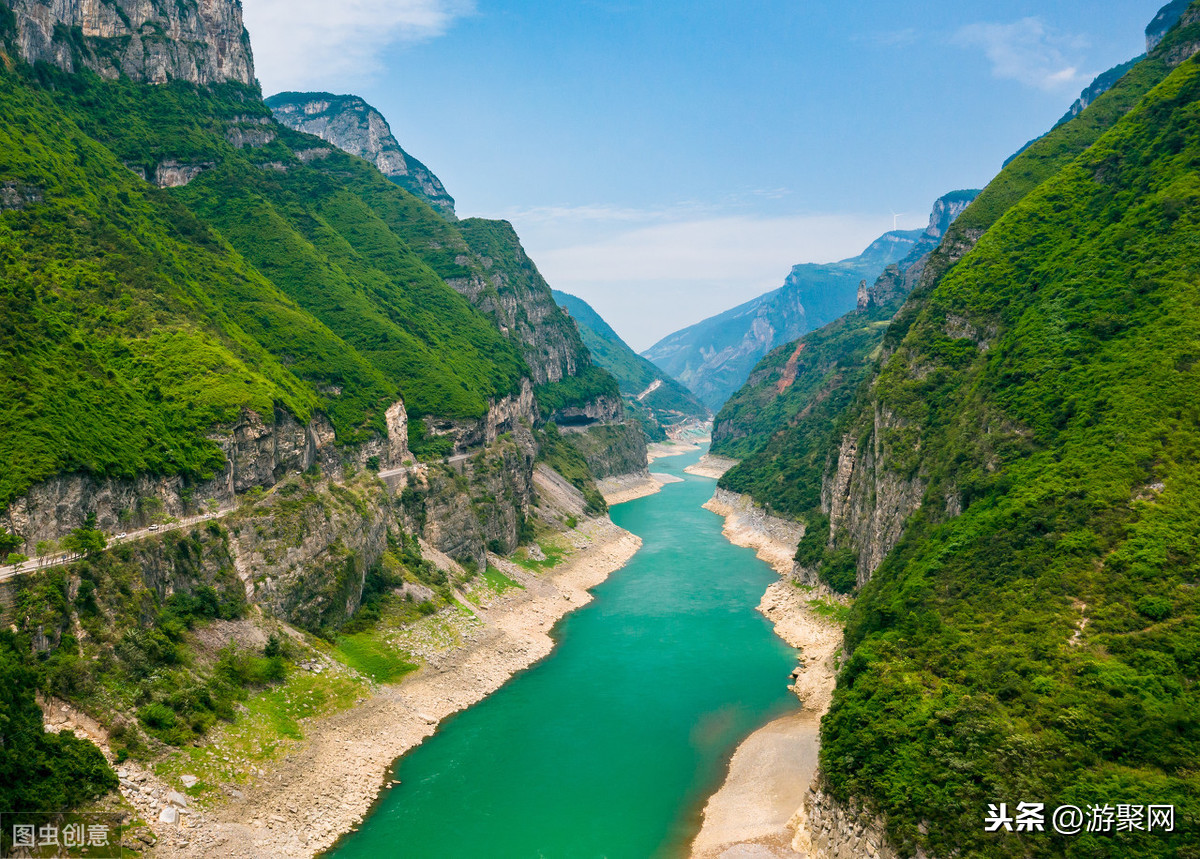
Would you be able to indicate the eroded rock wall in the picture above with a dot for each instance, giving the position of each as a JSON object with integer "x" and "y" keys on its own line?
{"x": 256, "y": 454}
{"x": 826, "y": 829}
{"x": 352, "y": 125}
{"x": 150, "y": 41}
{"x": 612, "y": 450}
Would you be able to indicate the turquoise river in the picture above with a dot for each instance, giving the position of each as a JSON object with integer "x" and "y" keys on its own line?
{"x": 611, "y": 745}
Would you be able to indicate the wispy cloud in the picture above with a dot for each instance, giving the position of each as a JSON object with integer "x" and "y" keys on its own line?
{"x": 1028, "y": 51}
{"x": 300, "y": 44}
{"x": 890, "y": 38}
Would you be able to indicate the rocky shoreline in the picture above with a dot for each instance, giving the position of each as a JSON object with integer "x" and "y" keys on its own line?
{"x": 712, "y": 466}
{"x": 630, "y": 487}
{"x": 304, "y": 803}
{"x": 762, "y": 805}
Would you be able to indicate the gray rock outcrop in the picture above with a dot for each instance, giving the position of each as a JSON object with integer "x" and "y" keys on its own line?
{"x": 352, "y": 125}
{"x": 149, "y": 41}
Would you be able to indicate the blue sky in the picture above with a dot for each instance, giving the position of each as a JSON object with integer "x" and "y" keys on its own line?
{"x": 668, "y": 160}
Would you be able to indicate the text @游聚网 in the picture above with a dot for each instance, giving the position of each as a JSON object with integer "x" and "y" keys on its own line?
{"x": 1033, "y": 817}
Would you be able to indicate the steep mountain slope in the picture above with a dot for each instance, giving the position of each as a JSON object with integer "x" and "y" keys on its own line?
{"x": 483, "y": 260}
{"x": 714, "y": 358}
{"x": 1069, "y": 338}
{"x": 1012, "y": 488}
{"x": 352, "y": 125}
{"x": 649, "y": 393}
{"x": 783, "y": 423}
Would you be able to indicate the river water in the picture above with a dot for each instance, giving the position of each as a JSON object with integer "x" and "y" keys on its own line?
{"x": 610, "y": 746}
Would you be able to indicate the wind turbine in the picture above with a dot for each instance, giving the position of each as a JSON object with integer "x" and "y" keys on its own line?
{"x": 896, "y": 221}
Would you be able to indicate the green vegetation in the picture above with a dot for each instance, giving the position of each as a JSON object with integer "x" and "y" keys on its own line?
{"x": 40, "y": 771}
{"x": 1042, "y": 643}
{"x": 134, "y": 319}
{"x": 1070, "y": 444}
{"x": 138, "y": 653}
{"x": 835, "y": 611}
{"x": 116, "y": 358}
{"x": 268, "y": 725}
{"x": 563, "y": 457}
{"x": 335, "y": 238}
{"x": 783, "y": 439}
{"x": 367, "y": 655}
{"x": 499, "y": 582}
{"x": 553, "y": 552}
{"x": 576, "y": 391}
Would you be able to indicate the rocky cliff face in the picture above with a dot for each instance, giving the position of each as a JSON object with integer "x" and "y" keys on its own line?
{"x": 257, "y": 454}
{"x": 867, "y": 500}
{"x": 902, "y": 278}
{"x": 304, "y": 551}
{"x": 352, "y": 125}
{"x": 151, "y": 41}
{"x": 513, "y": 292}
{"x": 612, "y": 450}
{"x": 1168, "y": 16}
{"x": 826, "y": 829}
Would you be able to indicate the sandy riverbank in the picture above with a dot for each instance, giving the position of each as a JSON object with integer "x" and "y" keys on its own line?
{"x": 630, "y": 487}
{"x": 661, "y": 450}
{"x": 306, "y": 801}
{"x": 754, "y": 813}
{"x": 711, "y": 466}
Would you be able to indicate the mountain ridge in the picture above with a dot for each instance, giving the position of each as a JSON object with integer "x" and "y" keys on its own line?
{"x": 352, "y": 125}
{"x": 714, "y": 357}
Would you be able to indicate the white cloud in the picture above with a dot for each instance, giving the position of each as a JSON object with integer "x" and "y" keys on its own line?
{"x": 652, "y": 272}
{"x": 1028, "y": 51}
{"x": 890, "y": 38}
{"x": 304, "y": 44}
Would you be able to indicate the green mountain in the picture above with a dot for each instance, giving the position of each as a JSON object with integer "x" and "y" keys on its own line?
{"x": 282, "y": 275}
{"x": 207, "y": 312}
{"x": 649, "y": 394}
{"x": 1010, "y": 487}
{"x": 714, "y": 358}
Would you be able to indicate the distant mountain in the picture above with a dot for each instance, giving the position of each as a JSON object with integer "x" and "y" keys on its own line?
{"x": 714, "y": 358}
{"x": 354, "y": 126}
{"x": 817, "y": 375}
{"x": 649, "y": 393}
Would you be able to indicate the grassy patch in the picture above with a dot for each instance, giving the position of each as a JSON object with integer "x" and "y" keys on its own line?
{"x": 270, "y": 724}
{"x": 499, "y": 582}
{"x": 835, "y": 611}
{"x": 369, "y": 655}
{"x": 554, "y": 556}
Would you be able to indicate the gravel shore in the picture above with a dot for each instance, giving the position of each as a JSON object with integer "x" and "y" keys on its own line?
{"x": 752, "y": 815}
{"x": 630, "y": 487}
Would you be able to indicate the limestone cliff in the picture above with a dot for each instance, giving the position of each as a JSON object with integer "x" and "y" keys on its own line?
{"x": 151, "y": 41}
{"x": 1168, "y": 16}
{"x": 511, "y": 290}
{"x": 352, "y": 125}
